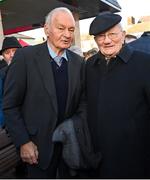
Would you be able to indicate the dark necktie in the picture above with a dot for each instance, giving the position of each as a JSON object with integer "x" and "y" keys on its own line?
{"x": 59, "y": 60}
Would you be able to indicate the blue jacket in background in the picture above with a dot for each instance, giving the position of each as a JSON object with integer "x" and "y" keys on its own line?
{"x": 1, "y": 96}
{"x": 2, "y": 76}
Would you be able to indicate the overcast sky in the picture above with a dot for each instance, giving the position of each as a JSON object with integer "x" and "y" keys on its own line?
{"x": 135, "y": 8}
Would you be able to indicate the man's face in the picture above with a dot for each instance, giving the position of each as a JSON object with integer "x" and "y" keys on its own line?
{"x": 60, "y": 32}
{"x": 8, "y": 54}
{"x": 111, "y": 41}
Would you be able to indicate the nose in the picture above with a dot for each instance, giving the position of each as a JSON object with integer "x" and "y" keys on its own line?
{"x": 107, "y": 39}
{"x": 67, "y": 33}
{"x": 12, "y": 53}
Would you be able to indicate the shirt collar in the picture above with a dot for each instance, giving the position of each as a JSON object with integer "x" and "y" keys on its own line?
{"x": 54, "y": 55}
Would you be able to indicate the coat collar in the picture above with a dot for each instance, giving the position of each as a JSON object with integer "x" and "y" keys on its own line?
{"x": 124, "y": 55}
{"x": 43, "y": 61}
{"x": 73, "y": 73}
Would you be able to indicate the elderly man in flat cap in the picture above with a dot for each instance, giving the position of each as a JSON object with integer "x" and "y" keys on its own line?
{"x": 9, "y": 47}
{"x": 118, "y": 95}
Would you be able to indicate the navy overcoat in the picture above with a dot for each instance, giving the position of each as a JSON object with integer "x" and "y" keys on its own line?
{"x": 118, "y": 98}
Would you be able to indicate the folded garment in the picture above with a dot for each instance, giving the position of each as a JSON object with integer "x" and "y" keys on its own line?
{"x": 77, "y": 147}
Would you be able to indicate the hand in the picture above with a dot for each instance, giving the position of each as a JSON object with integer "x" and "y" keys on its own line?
{"x": 29, "y": 153}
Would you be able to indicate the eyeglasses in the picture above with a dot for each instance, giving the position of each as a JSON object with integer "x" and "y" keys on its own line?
{"x": 112, "y": 36}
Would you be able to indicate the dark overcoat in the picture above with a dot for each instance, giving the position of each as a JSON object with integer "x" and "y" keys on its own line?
{"x": 118, "y": 106}
{"x": 30, "y": 102}
{"x": 142, "y": 43}
{"x": 3, "y": 63}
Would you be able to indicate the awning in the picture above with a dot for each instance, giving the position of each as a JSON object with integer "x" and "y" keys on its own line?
{"x": 23, "y": 43}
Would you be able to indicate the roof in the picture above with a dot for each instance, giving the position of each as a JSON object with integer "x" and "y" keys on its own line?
{"x": 20, "y": 15}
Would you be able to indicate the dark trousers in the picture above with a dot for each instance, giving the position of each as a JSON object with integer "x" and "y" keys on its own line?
{"x": 56, "y": 169}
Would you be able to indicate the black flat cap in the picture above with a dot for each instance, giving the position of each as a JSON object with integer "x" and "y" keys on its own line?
{"x": 103, "y": 22}
{"x": 10, "y": 42}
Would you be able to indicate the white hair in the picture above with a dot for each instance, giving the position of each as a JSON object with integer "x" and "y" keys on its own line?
{"x": 122, "y": 26}
{"x": 48, "y": 18}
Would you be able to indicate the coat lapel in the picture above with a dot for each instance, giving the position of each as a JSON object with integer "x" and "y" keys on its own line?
{"x": 44, "y": 65}
{"x": 43, "y": 60}
{"x": 73, "y": 72}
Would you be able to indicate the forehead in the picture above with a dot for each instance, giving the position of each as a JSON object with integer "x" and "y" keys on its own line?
{"x": 63, "y": 17}
{"x": 114, "y": 28}
{"x": 8, "y": 50}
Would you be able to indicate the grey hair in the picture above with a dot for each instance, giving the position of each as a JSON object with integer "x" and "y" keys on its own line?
{"x": 49, "y": 16}
{"x": 121, "y": 26}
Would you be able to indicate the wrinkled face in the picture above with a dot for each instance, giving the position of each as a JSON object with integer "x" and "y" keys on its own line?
{"x": 60, "y": 32}
{"x": 111, "y": 41}
{"x": 8, "y": 54}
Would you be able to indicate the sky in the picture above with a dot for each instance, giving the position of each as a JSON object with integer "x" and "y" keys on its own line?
{"x": 134, "y": 8}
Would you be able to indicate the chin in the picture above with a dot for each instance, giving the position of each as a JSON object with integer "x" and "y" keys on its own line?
{"x": 109, "y": 53}
{"x": 66, "y": 47}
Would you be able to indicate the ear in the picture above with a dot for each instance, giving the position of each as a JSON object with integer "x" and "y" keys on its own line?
{"x": 124, "y": 33}
{"x": 46, "y": 29}
{"x": 123, "y": 36}
{"x": 95, "y": 39}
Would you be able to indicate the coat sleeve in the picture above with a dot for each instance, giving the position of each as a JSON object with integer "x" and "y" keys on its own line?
{"x": 145, "y": 74}
{"x": 14, "y": 93}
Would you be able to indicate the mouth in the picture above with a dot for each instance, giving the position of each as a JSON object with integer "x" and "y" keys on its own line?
{"x": 109, "y": 46}
{"x": 66, "y": 40}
